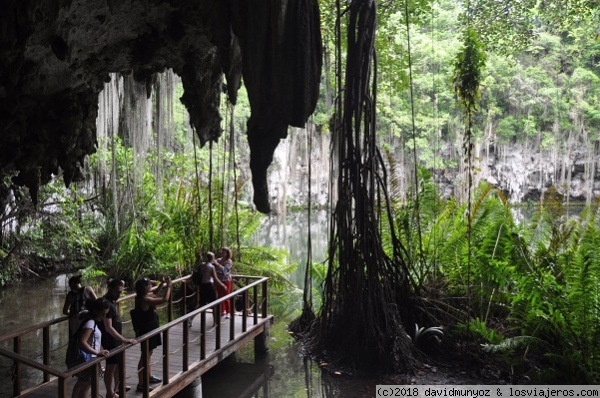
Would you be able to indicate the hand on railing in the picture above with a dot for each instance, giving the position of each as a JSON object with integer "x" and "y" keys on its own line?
{"x": 103, "y": 353}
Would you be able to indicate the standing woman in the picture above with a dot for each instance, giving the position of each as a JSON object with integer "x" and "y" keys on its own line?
{"x": 223, "y": 268}
{"x": 147, "y": 320}
{"x": 90, "y": 337}
{"x": 112, "y": 329}
{"x": 209, "y": 277}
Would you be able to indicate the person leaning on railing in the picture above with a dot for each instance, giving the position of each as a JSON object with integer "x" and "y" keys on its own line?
{"x": 145, "y": 319}
{"x": 89, "y": 337}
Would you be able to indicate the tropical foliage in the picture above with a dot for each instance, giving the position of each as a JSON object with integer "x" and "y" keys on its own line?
{"x": 531, "y": 291}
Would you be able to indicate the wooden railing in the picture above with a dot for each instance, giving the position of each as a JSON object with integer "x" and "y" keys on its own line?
{"x": 252, "y": 291}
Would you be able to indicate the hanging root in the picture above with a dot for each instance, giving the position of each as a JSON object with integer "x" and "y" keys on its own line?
{"x": 360, "y": 327}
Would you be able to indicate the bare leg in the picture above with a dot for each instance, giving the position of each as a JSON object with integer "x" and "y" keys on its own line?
{"x": 80, "y": 389}
{"x": 141, "y": 366}
{"x": 111, "y": 374}
{"x": 117, "y": 379}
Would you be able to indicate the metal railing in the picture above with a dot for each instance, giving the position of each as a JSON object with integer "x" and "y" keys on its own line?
{"x": 252, "y": 291}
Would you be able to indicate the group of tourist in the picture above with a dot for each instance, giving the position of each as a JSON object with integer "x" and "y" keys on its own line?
{"x": 96, "y": 322}
{"x": 213, "y": 276}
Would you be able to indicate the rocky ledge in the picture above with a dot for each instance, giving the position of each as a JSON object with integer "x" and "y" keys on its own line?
{"x": 57, "y": 55}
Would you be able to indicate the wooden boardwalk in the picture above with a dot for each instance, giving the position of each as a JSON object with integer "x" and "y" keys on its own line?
{"x": 185, "y": 355}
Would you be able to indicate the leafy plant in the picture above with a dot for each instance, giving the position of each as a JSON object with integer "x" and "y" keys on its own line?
{"x": 425, "y": 335}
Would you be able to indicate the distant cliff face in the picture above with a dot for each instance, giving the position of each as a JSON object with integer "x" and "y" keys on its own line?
{"x": 57, "y": 55}
{"x": 522, "y": 172}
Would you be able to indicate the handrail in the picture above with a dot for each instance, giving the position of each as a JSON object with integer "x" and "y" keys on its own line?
{"x": 32, "y": 363}
{"x": 197, "y": 311}
{"x": 48, "y": 370}
{"x": 33, "y": 328}
{"x": 130, "y": 296}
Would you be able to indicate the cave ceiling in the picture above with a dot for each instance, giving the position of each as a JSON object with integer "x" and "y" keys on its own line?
{"x": 56, "y": 56}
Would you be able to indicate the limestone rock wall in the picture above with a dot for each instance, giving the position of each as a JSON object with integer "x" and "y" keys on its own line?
{"x": 57, "y": 55}
{"x": 522, "y": 172}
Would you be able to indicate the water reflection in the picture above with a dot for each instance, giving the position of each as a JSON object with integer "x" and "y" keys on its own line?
{"x": 290, "y": 232}
{"x": 284, "y": 372}
{"x": 26, "y": 304}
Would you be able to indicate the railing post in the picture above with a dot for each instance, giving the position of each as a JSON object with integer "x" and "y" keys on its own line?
{"x": 166, "y": 358}
{"x": 245, "y": 312}
{"x": 186, "y": 345}
{"x": 146, "y": 362}
{"x": 62, "y": 387}
{"x": 218, "y": 326}
{"x": 17, "y": 366}
{"x": 95, "y": 389}
{"x": 46, "y": 350}
{"x": 232, "y": 318}
{"x": 265, "y": 298}
{"x": 170, "y": 307}
{"x": 185, "y": 311}
{"x": 255, "y": 298}
{"x": 202, "y": 335}
{"x": 122, "y": 362}
{"x": 197, "y": 297}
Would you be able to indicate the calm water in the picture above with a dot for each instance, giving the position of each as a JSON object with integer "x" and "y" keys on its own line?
{"x": 283, "y": 372}
{"x": 291, "y": 233}
{"x": 28, "y": 304}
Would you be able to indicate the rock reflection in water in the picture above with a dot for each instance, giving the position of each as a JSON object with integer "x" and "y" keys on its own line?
{"x": 282, "y": 373}
{"x": 290, "y": 232}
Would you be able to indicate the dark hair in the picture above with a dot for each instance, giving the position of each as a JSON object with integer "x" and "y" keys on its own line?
{"x": 210, "y": 256}
{"x": 228, "y": 251}
{"x": 97, "y": 307}
{"x": 140, "y": 287}
{"x": 114, "y": 283}
{"x": 75, "y": 279}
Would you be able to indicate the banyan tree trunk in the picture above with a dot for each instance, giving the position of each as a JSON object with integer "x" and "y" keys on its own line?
{"x": 360, "y": 326}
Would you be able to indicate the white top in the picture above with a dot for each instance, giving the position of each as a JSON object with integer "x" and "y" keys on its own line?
{"x": 96, "y": 337}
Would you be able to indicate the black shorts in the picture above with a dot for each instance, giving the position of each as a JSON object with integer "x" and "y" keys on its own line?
{"x": 113, "y": 360}
{"x": 208, "y": 293}
{"x": 108, "y": 344}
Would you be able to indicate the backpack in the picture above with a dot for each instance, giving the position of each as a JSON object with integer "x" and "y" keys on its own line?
{"x": 197, "y": 277}
{"x": 75, "y": 354}
{"x": 136, "y": 321}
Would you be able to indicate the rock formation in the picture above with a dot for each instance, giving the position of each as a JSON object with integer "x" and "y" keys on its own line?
{"x": 57, "y": 54}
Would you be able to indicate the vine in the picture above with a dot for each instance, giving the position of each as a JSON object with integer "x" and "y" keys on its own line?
{"x": 468, "y": 67}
